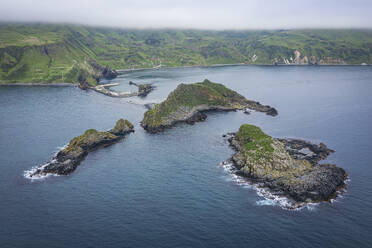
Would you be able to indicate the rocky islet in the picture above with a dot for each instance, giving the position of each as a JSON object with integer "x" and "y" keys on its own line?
{"x": 69, "y": 158}
{"x": 288, "y": 167}
{"x": 189, "y": 102}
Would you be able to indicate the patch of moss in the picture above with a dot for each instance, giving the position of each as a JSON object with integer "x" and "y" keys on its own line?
{"x": 252, "y": 138}
{"x": 89, "y": 137}
{"x": 121, "y": 127}
{"x": 266, "y": 157}
{"x": 120, "y": 124}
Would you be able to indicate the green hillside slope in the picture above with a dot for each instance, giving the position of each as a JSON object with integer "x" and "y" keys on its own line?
{"x": 65, "y": 53}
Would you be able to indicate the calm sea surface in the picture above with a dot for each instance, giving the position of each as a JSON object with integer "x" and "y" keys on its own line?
{"x": 169, "y": 189}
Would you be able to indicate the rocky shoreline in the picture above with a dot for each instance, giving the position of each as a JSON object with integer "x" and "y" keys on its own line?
{"x": 189, "y": 103}
{"x": 143, "y": 89}
{"x": 286, "y": 167}
{"x": 69, "y": 158}
{"x": 121, "y": 71}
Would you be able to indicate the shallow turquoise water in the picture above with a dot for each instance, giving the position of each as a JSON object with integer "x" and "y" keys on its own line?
{"x": 169, "y": 189}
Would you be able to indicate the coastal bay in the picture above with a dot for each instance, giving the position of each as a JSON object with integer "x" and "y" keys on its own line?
{"x": 173, "y": 182}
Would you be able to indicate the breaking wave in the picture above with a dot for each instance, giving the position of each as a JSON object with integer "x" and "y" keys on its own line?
{"x": 30, "y": 174}
{"x": 270, "y": 198}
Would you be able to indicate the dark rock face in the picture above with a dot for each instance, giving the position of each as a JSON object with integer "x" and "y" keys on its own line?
{"x": 197, "y": 117}
{"x": 83, "y": 83}
{"x": 67, "y": 160}
{"x": 247, "y": 112}
{"x": 301, "y": 149}
{"x": 286, "y": 166}
{"x": 272, "y": 111}
{"x": 149, "y": 106}
{"x": 108, "y": 73}
{"x": 145, "y": 89}
{"x": 320, "y": 184}
{"x": 102, "y": 72}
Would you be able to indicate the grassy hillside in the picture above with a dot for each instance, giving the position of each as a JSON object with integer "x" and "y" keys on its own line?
{"x": 190, "y": 96}
{"x": 60, "y": 53}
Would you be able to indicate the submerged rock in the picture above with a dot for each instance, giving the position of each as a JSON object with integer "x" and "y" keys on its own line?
{"x": 286, "y": 166}
{"x": 149, "y": 106}
{"x": 188, "y": 102}
{"x": 70, "y": 157}
{"x": 246, "y": 111}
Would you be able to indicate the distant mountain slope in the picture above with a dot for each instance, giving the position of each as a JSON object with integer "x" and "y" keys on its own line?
{"x": 68, "y": 53}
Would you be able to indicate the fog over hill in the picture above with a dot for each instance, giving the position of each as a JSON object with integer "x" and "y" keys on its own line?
{"x": 207, "y": 14}
{"x": 75, "y": 41}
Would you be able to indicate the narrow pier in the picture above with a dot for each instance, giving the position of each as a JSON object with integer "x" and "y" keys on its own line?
{"x": 104, "y": 89}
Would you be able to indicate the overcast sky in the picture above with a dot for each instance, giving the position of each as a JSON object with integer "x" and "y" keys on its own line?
{"x": 202, "y": 14}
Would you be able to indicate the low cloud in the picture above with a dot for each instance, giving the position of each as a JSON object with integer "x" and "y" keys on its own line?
{"x": 207, "y": 14}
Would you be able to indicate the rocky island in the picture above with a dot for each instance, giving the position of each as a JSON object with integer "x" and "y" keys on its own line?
{"x": 287, "y": 167}
{"x": 188, "y": 102}
{"x": 143, "y": 89}
{"x": 66, "y": 160}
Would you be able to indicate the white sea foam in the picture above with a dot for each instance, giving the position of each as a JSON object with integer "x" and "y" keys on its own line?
{"x": 270, "y": 198}
{"x": 29, "y": 174}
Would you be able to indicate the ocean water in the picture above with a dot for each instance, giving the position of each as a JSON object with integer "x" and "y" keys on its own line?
{"x": 170, "y": 189}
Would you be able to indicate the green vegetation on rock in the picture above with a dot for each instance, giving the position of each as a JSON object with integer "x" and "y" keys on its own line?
{"x": 183, "y": 101}
{"x": 262, "y": 156}
{"x": 122, "y": 126}
{"x": 252, "y": 138}
{"x": 88, "y": 139}
{"x": 281, "y": 166}
{"x": 187, "y": 102}
{"x": 67, "y": 160}
{"x": 61, "y": 53}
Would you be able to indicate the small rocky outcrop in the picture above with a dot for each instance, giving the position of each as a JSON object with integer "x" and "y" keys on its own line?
{"x": 109, "y": 73}
{"x": 149, "y": 106}
{"x": 102, "y": 71}
{"x": 67, "y": 160}
{"x": 145, "y": 89}
{"x": 188, "y": 102}
{"x": 83, "y": 82}
{"x": 286, "y": 166}
{"x": 122, "y": 127}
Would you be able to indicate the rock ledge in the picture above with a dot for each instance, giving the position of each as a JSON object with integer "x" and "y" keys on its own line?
{"x": 68, "y": 159}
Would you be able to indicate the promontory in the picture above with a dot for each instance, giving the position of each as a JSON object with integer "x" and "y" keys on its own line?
{"x": 67, "y": 160}
{"x": 188, "y": 102}
{"x": 286, "y": 167}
